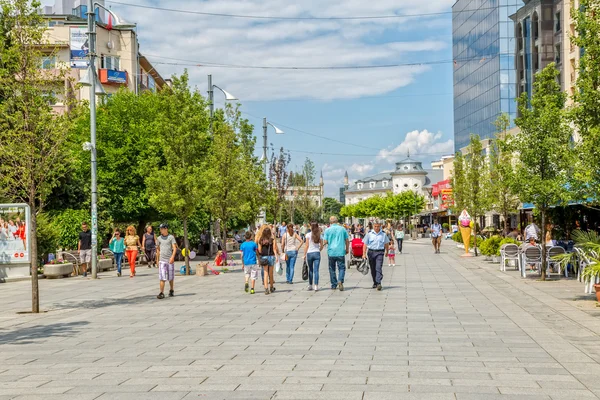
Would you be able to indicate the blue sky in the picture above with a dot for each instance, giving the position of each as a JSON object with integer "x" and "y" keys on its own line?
{"x": 385, "y": 111}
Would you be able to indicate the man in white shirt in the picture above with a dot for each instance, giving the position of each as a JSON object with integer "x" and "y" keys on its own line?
{"x": 532, "y": 231}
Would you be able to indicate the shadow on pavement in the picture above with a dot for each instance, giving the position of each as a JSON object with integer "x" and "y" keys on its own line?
{"x": 29, "y": 334}
{"x": 102, "y": 303}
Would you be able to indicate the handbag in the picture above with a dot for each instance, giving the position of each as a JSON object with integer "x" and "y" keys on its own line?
{"x": 264, "y": 262}
{"x": 279, "y": 268}
{"x": 305, "y": 271}
{"x": 363, "y": 267}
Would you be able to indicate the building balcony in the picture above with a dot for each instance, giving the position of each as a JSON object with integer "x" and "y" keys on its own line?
{"x": 112, "y": 77}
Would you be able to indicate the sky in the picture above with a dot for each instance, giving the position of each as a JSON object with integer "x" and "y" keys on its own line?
{"x": 360, "y": 120}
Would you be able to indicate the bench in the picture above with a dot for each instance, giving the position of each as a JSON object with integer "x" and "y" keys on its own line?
{"x": 71, "y": 256}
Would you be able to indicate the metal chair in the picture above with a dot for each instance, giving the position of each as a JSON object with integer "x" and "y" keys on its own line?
{"x": 510, "y": 252}
{"x": 531, "y": 256}
{"x": 553, "y": 252}
{"x": 584, "y": 261}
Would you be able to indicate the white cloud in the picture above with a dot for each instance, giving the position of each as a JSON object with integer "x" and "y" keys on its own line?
{"x": 201, "y": 39}
{"x": 422, "y": 143}
{"x": 424, "y": 146}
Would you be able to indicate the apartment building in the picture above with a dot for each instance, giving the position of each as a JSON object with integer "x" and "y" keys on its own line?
{"x": 543, "y": 29}
{"x": 119, "y": 63}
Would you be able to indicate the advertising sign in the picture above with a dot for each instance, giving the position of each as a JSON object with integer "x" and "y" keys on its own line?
{"x": 14, "y": 234}
{"x": 79, "y": 45}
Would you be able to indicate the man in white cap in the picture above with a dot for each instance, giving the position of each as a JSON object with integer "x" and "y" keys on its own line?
{"x": 375, "y": 248}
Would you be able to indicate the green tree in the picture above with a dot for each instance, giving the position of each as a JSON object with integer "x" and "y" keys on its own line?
{"x": 278, "y": 183}
{"x": 331, "y": 207}
{"x": 235, "y": 186}
{"x": 33, "y": 138}
{"x": 477, "y": 182}
{"x": 544, "y": 148}
{"x": 174, "y": 184}
{"x": 502, "y": 175}
{"x": 586, "y": 112}
{"x": 459, "y": 183}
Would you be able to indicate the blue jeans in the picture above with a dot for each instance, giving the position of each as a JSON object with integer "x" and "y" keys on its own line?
{"x": 290, "y": 264}
{"x": 341, "y": 265}
{"x": 313, "y": 260}
{"x": 119, "y": 261}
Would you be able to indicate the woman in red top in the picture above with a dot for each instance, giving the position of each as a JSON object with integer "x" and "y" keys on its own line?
{"x": 20, "y": 233}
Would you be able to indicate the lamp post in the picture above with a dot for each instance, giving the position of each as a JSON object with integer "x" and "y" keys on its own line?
{"x": 277, "y": 132}
{"x": 430, "y": 193}
{"x": 90, "y": 79}
{"x": 211, "y": 99}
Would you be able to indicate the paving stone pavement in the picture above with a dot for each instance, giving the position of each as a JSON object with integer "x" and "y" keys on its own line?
{"x": 444, "y": 327}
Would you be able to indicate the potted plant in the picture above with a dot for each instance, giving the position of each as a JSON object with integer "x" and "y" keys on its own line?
{"x": 590, "y": 273}
{"x": 484, "y": 248}
{"x": 58, "y": 268}
{"x": 104, "y": 262}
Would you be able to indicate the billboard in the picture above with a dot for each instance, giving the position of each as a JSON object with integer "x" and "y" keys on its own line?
{"x": 79, "y": 45}
{"x": 14, "y": 234}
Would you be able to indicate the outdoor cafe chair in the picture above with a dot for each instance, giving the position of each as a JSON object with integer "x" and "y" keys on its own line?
{"x": 510, "y": 252}
{"x": 553, "y": 251}
{"x": 531, "y": 256}
{"x": 584, "y": 261}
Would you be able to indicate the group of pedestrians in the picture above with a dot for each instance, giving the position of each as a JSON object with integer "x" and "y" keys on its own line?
{"x": 269, "y": 246}
{"x": 159, "y": 251}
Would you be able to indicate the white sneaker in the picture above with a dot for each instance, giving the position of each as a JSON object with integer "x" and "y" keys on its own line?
{"x": 309, "y": 287}
{"x": 316, "y": 288}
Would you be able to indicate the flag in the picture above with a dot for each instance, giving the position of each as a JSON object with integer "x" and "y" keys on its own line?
{"x": 109, "y": 24}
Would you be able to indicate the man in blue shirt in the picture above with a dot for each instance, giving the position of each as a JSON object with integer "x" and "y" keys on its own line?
{"x": 375, "y": 248}
{"x": 336, "y": 239}
{"x": 282, "y": 229}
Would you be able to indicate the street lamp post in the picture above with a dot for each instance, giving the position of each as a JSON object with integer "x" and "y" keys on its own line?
{"x": 91, "y": 79}
{"x": 277, "y": 131}
{"x": 211, "y": 99}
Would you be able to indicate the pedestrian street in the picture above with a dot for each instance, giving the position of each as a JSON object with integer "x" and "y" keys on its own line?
{"x": 443, "y": 327}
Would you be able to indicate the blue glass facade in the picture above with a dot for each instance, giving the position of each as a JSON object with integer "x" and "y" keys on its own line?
{"x": 484, "y": 66}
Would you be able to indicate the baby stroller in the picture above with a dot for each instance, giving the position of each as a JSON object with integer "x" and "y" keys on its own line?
{"x": 356, "y": 253}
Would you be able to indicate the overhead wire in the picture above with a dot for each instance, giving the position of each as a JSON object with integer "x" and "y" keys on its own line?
{"x": 300, "y": 18}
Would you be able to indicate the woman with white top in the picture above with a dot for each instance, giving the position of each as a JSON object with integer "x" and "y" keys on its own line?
{"x": 312, "y": 251}
{"x": 290, "y": 243}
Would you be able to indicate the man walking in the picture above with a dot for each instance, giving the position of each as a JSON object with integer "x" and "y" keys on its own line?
{"x": 336, "y": 239}
{"x": 436, "y": 236}
{"x": 84, "y": 247}
{"x": 282, "y": 229}
{"x": 375, "y": 248}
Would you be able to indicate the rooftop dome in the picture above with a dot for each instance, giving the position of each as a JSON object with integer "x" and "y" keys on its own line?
{"x": 409, "y": 166}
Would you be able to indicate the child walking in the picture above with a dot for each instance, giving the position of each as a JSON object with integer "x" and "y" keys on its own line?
{"x": 391, "y": 255}
{"x": 249, "y": 250}
{"x": 165, "y": 252}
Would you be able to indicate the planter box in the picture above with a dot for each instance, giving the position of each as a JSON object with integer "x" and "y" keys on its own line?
{"x": 58, "y": 270}
{"x": 105, "y": 264}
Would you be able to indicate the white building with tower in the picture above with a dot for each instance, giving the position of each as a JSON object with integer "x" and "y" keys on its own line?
{"x": 408, "y": 175}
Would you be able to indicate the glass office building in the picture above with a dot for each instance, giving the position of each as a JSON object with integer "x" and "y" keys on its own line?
{"x": 483, "y": 48}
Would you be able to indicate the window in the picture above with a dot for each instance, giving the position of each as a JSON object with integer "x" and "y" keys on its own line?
{"x": 557, "y": 54}
{"x": 384, "y": 184}
{"x": 557, "y": 19}
{"x": 111, "y": 62}
{"x": 371, "y": 185}
{"x": 416, "y": 185}
{"x": 406, "y": 185}
{"x": 360, "y": 185}
{"x": 48, "y": 62}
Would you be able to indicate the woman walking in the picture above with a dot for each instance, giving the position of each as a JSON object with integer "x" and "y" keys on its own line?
{"x": 117, "y": 246}
{"x": 149, "y": 246}
{"x": 132, "y": 241}
{"x": 312, "y": 252}
{"x": 267, "y": 250}
{"x": 290, "y": 243}
{"x": 399, "y": 235}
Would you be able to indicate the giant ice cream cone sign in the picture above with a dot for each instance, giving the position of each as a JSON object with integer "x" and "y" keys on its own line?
{"x": 465, "y": 224}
